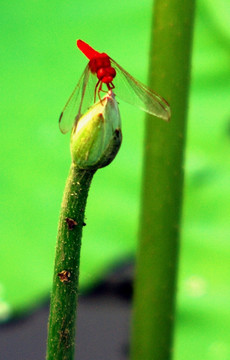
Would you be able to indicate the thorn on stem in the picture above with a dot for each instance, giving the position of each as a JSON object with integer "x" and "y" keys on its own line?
{"x": 64, "y": 275}
{"x": 71, "y": 223}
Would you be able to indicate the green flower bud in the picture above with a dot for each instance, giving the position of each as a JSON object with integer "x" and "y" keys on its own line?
{"x": 96, "y": 138}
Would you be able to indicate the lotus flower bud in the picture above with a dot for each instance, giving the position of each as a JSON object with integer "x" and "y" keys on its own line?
{"x": 96, "y": 138}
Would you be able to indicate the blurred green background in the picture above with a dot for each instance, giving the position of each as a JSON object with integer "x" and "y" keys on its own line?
{"x": 40, "y": 66}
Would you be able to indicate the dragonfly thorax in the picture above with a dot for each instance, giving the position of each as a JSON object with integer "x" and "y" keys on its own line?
{"x": 98, "y": 62}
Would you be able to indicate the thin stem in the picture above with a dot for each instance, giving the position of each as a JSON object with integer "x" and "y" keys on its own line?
{"x": 61, "y": 332}
{"x": 157, "y": 258}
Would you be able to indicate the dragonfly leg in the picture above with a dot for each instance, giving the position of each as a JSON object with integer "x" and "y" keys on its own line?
{"x": 99, "y": 90}
{"x": 95, "y": 91}
{"x": 110, "y": 86}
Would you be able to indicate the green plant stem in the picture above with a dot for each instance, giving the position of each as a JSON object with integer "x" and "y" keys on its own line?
{"x": 157, "y": 258}
{"x": 61, "y": 331}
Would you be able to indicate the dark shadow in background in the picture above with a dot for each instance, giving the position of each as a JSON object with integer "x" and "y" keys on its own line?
{"x": 103, "y": 324}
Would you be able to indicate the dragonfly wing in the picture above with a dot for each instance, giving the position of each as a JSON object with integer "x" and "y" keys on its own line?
{"x": 79, "y": 101}
{"x": 135, "y": 93}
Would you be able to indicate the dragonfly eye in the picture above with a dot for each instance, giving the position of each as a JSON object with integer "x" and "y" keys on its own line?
{"x": 107, "y": 79}
{"x": 111, "y": 71}
{"x": 106, "y": 74}
{"x": 101, "y": 73}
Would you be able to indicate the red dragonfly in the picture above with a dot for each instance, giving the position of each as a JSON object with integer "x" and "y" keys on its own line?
{"x": 102, "y": 71}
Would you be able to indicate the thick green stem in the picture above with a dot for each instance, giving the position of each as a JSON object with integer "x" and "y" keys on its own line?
{"x": 61, "y": 331}
{"x": 157, "y": 258}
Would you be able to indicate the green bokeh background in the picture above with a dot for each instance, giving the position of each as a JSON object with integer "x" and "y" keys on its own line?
{"x": 40, "y": 65}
